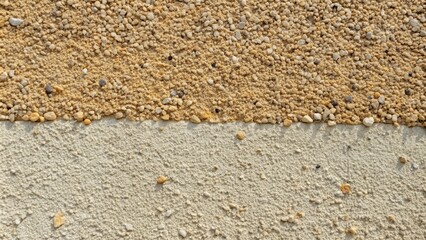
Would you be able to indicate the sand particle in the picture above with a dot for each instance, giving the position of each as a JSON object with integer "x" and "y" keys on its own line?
{"x": 352, "y": 230}
{"x": 307, "y": 119}
{"x": 50, "y": 116}
{"x": 345, "y": 188}
{"x": 182, "y": 233}
{"x": 58, "y": 219}
{"x": 79, "y": 116}
{"x": 391, "y": 218}
{"x": 403, "y": 160}
{"x": 195, "y": 119}
{"x": 34, "y": 117}
{"x": 87, "y": 121}
{"x": 287, "y": 122}
{"x": 162, "y": 179}
{"x": 240, "y": 135}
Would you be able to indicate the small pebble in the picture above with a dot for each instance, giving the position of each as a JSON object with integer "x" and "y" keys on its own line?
{"x": 348, "y": 99}
{"x": 11, "y": 73}
{"x": 50, "y": 116}
{"x": 352, "y": 230}
{"x": 3, "y": 76}
{"x": 345, "y": 188}
{"x": 307, "y": 119}
{"x": 15, "y": 21}
{"x": 87, "y": 121}
{"x": 368, "y": 121}
{"x": 150, "y": 16}
{"x": 162, "y": 179}
{"x": 414, "y": 166}
{"x": 78, "y": 116}
{"x": 234, "y": 59}
{"x": 317, "y": 116}
{"x": 331, "y": 123}
{"x": 128, "y": 227}
{"x": 118, "y": 115}
{"x": 240, "y": 135}
{"x": 58, "y": 219}
{"x": 194, "y": 119}
{"x": 182, "y": 233}
{"x": 166, "y": 100}
{"x": 287, "y": 122}
{"x": 169, "y": 213}
{"x": 85, "y": 71}
{"x": 102, "y": 83}
{"x": 391, "y": 218}
{"x": 403, "y": 160}
{"x": 48, "y": 89}
{"x": 34, "y": 117}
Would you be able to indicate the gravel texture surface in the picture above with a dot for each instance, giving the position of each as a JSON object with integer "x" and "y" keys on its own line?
{"x": 161, "y": 180}
{"x": 215, "y": 61}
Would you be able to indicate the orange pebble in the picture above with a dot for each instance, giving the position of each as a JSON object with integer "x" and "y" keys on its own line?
{"x": 87, "y": 121}
{"x": 345, "y": 188}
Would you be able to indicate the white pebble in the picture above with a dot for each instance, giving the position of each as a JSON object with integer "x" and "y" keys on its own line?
{"x": 210, "y": 81}
{"x": 336, "y": 56}
{"x": 182, "y": 233}
{"x": 150, "y": 16}
{"x": 128, "y": 227}
{"x": 234, "y": 59}
{"x": 414, "y": 23}
{"x": 166, "y": 100}
{"x": 317, "y": 116}
{"x": 368, "y": 121}
{"x": 169, "y": 213}
{"x": 11, "y": 73}
{"x": 85, "y": 71}
{"x": 331, "y": 123}
{"x": 15, "y": 21}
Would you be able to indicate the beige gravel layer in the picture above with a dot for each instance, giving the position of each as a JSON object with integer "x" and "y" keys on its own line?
{"x": 217, "y": 61}
{"x": 100, "y": 181}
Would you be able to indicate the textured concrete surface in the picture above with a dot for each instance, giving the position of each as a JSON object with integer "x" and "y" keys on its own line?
{"x": 277, "y": 183}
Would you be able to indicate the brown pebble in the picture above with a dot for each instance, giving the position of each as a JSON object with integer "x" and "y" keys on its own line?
{"x": 162, "y": 179}
{"x": 58, "y": 219}
{"x": 241, "y": 135}
{"x": 300, "y": 214}
{"x": 87, "y": 121}
{"x": 403, "y": 160}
